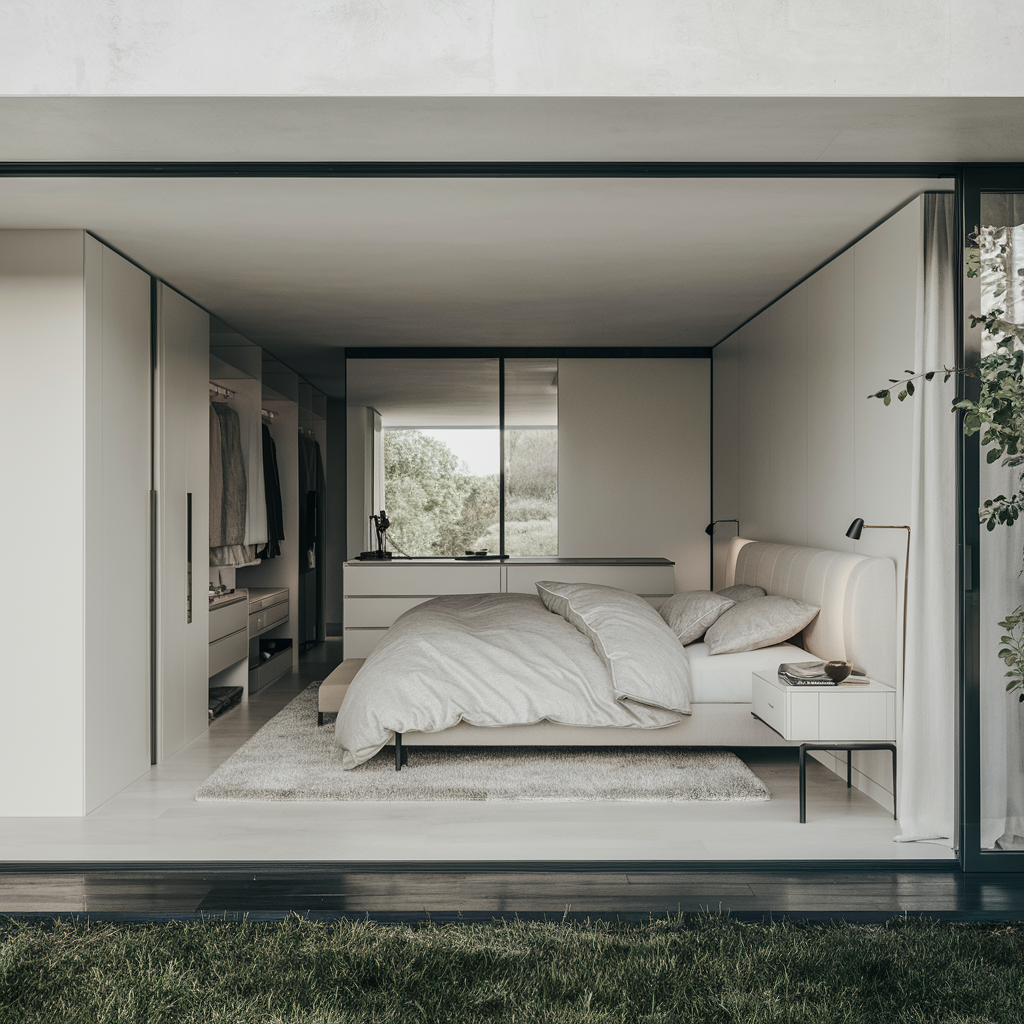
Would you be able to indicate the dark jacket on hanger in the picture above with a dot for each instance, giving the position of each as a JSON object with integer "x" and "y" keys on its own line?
{"x": 272, "y": 487}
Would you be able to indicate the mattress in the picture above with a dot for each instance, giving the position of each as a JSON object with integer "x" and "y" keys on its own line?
{"x": 726, "y": 678}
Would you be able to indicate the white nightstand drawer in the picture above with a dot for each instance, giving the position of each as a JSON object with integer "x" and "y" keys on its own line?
{"x": 769, "y": 705}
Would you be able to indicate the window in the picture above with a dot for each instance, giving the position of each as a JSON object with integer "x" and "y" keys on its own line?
{"x": 436, "y": 461}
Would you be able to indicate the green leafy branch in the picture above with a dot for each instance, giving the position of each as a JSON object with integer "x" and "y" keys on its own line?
{"x": 1012, "y": 651}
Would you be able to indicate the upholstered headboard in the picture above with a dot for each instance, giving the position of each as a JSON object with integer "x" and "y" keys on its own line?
{"x": 856, "y": 595}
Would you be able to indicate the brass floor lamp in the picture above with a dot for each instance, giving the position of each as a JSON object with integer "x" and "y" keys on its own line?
{"x": 854, "y": 534}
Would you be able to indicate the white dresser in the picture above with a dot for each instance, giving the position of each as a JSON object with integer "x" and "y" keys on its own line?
{"x": 376, "y": 593}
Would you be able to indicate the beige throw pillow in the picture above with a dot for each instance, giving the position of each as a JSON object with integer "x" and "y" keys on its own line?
{"x": 689, "y": 614}
{"x": 758, "y": 622}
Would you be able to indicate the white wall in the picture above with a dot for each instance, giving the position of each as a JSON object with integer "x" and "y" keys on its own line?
{"x": 182, "y": 465}
{"x": 74, "y": 334}
{"x": 634, "y": 462}
{"x": 799, "y": 449}
{"x": 511, "y": 47}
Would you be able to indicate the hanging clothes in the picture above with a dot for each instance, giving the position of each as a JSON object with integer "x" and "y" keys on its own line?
{"x": 272, "y": 495}
{"x": 216, "y": 478}
{"x": 228, "y": 518}
{"x": 250, "y": 425}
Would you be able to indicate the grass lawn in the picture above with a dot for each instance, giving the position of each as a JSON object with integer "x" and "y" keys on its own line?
{"x": 694, "y": 968}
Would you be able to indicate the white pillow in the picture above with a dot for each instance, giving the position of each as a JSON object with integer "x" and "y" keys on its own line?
{"x": 741, "y": 592}
{"x": 644, "y": 658}
{"x": 689, "y": 614}
{"x": 758, "y": 622}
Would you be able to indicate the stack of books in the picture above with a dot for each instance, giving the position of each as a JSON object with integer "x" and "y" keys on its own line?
{"x": 812, "y": 673}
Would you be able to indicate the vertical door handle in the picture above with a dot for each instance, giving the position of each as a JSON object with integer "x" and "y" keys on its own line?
{"x": 188, "y": 556}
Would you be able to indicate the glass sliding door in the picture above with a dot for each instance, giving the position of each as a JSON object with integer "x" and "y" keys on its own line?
{"x": 993, "y": 460}
{"x": 531, "y": 456}
{"x": 997, "y": 269}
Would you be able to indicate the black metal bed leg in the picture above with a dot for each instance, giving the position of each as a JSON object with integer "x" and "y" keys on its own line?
{"x": 399, "y": 759}
{"x": 849, "y": 768}
{"x": 803, "y": 784}
{"x": 319, "y": 718}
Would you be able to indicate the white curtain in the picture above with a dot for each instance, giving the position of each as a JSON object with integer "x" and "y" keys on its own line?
{"x": 927, "y": 753}
{"x": 1002, "y": 585}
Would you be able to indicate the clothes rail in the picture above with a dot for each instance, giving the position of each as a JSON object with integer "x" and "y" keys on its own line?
{"x": 216, "y": 389}
{"x": 267, "y": 414}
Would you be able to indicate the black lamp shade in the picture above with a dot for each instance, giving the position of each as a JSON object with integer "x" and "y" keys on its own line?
{"x": 855, "y": 528}
{"x": 710, "y": 528}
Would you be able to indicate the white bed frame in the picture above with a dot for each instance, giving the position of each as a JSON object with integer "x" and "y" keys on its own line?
{"x": 857, "y": 623}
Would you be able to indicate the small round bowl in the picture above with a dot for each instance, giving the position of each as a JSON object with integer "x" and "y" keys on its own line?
{"x": 837, "y": 671}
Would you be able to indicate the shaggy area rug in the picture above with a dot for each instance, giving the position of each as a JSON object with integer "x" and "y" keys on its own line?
{"x": 291, "y": 758}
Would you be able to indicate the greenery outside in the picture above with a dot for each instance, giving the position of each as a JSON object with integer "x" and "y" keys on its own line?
{"x": 707, "y": 968}
{"x": 437, "y": 507}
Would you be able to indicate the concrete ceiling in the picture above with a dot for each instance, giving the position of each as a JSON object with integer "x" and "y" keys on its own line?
{"x": 307, "y": 266}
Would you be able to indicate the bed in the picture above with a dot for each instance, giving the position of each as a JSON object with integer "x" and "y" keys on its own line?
{"x": 408, "y": 691}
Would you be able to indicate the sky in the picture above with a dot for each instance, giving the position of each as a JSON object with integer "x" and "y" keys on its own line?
{"x": 477, "y": 448}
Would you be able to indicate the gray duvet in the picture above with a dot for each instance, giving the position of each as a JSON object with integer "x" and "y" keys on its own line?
{"x": 489, "y": 660}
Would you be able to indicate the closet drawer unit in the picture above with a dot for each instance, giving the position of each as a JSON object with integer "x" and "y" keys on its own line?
{"x": 360, "y": 642}
{"x": 378, "y": 611}
{"x": 260, "y": 603}
{"x": 647, "y": 580}
{"x": 259, "y": 621}
{"x": 228, "y": 619}
{"x": 421, "y": 580}
{"x": 228, "y": 650}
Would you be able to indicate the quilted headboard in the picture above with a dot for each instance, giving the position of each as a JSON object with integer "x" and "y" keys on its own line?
{"x": 856, "y": 595}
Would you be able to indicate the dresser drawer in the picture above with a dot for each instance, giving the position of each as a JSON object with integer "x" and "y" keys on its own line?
{"x": 227, "y": 619}
{"x": 360, "y": 642}
{"x": 421, "y": 580}
{"x": 637, "y": 579}
{"x": 378, "y": 611}
{"x": 228, "y": 650}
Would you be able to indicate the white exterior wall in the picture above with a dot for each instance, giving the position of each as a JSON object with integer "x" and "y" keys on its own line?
{"x": 74, "y": 337}
{"x": 512, "y": 48}
{"x": 799, "y": 449}
{"x": 634, "y": 461}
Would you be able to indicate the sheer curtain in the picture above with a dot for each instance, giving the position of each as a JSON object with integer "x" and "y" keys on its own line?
{"x": 1002, "y": 586}
{"x": 927, "y": 750}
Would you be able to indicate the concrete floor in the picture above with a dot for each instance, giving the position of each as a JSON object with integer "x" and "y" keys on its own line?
{"x": 157, "y": 819}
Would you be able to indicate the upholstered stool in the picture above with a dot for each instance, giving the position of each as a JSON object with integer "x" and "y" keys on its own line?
{"x": 335, "y": 686}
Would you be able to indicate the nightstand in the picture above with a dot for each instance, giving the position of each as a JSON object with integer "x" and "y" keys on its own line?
{"x": 857, "y": 716}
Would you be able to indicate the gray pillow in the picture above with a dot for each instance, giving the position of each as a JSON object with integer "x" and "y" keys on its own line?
{"x": 758, "y": 622}
{"x": 689, "y": 614}
{"x": 741, "y": 592}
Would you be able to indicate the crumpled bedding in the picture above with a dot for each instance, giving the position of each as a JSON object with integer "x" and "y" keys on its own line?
{"x": 489, "y": 660}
